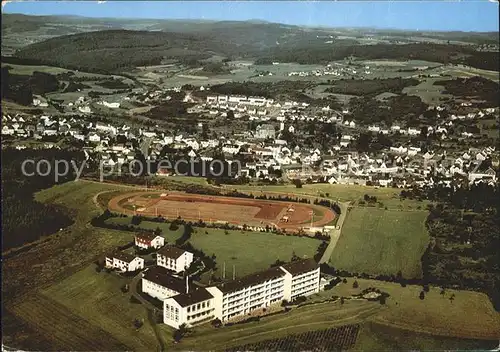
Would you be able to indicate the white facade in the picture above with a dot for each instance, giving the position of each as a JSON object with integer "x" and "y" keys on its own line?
{"x": 189, "y": 309}
{"x": 242, "y": 296}
{"x": 174, "y": 259}
{"x": 158, "y": 283}
{"x": 124, "y": 262}
{"x": 147, "y": 241}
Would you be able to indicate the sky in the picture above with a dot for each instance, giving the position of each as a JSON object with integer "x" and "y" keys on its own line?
{"x": 468, "y": 15}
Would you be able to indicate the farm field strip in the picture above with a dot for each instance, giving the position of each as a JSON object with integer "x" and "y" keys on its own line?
{"x": 110, "y": 308}
{"x": 67, "y": 330}
{"x": 340, "y": 338}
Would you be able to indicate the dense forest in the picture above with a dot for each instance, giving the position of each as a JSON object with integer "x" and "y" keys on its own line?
{"x": 447, "y": 54}
{"x": 472, "y": 88}
{"x": 20, "y": 88}
{"x": 464, "y": 227}
{"x": 367, "y": 110}
{"x": 108, "y": 51}
{"x": 23, "y": 219}
{"x": 371, "y": 86}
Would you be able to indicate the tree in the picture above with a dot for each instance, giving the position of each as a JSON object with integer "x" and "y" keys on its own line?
{"x": 180, "y": 333}
{"x": 355, "y": 284}
{"x": 138, "y": 323}
{"x": 382, "y": 299}
{"x": 422, "y": 295}
{"x": 230, "y": 115}
{"x": 297, "y": 183}
{"x": 136, "y": 220}
{"x": 216, "y": 323}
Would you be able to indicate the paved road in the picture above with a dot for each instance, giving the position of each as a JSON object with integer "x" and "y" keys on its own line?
{"x": 335, "y": 234}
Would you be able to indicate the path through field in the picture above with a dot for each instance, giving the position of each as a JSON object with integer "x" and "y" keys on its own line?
{"x": 335, "y": 234}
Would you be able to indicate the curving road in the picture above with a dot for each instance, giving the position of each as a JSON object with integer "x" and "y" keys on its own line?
{"x": 335, "y": 234}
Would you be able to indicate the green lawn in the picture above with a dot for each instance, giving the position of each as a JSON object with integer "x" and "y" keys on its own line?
{"x": 377, "y": 241}
{"x": 250, "y": 251}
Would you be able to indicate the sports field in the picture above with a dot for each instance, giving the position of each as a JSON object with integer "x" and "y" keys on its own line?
{"x": 253, "y": 212}
{"x": 378, "y": 241}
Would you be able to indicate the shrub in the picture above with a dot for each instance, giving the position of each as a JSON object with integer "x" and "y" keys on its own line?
{"x": 355, "y": 284}
{"x": 422, "y": 295}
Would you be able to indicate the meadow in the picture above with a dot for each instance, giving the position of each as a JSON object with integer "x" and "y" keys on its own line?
{"x": 378, "y": 241}
{"x": 247, "y": 251}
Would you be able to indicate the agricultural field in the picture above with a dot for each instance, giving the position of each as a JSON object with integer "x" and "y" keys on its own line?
{"x": 68, "y": 250}
{"x": 111, "y": 309}
{"x": 378, "y": 241}
{"x": 341, "y": 338}
{"x": 378, "y": 337}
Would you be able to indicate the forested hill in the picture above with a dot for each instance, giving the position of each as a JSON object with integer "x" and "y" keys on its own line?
{"x": 443, "y": 53}
{"x": 115, "y": 49}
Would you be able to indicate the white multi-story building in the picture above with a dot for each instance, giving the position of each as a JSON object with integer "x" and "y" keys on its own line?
{"x": 174, "y": 259}
{"x": 301, "y": 279}
{"x": 158, "y": 283}
{"x": 190, "y": 308}
{"x": 242, "y": 296}
{"x": 124, "y": 262}
{"x": 149, "y": 240}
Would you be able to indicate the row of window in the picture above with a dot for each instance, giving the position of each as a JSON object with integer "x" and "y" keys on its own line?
{"x": 198, "y": 306}
{"x": 196, "y": 316}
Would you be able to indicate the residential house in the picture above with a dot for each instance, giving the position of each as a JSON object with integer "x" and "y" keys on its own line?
{"x": 174, "y": 258}
{"x": 124, "y": 262}
{"x": 149, "y": 240}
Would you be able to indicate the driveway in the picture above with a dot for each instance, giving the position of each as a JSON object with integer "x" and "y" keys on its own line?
{"x": 335, "y": 234}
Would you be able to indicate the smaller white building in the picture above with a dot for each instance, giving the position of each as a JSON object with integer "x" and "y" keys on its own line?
{"x": 174, "y": 259}
{"x": 159, "y": 283}
{"x": 149, "y": 240}
{"x": 124, "y": 262}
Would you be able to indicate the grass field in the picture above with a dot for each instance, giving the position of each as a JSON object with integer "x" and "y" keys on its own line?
{"x": 377, "y": 241}
{"x": 250, "y": 251}
{"x": 470, "y": 315}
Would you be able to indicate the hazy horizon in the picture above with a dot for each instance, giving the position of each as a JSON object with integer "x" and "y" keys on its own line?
{"x": 463, "y": 16}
